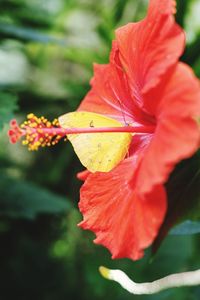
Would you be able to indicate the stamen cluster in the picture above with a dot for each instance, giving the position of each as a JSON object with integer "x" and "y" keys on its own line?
{"x": 38, "y": 132}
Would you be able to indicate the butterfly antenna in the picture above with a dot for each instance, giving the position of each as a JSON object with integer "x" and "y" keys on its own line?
{"x": 124, "y": 118}
{"x": 122, "y": 111}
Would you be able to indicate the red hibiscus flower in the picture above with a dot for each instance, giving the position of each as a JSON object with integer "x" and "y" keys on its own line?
{"x": 143, "y": 85}
{"x": 149, "y": 92}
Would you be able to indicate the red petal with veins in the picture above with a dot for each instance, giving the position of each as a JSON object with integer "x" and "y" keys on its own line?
{"x": 150, "y": 47}
{"x": 177, "y": 134}
{"x": 110, "y": 95}
{"x": 157, "y": 7}
{"x": 124, "y": 221}
{"x": 83, "y": 175}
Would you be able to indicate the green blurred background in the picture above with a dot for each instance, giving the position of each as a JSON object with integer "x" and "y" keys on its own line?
{"x": 47, "y": 49}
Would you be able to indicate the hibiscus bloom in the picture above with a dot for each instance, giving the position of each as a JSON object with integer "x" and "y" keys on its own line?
{"x": 126, "y": 207}
{"x": 146, "y": 89}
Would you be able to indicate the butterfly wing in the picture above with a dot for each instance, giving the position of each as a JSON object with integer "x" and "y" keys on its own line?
{"x": 97, "y": 151}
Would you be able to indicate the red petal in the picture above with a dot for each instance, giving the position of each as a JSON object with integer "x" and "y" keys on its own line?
{"x": 161, "y": 7}
{"x": 181, "y": 96}
{"x": 110, "y": 95}
{"x": 177, "y": 133}
{"x": 107, "y": 94}
{"x": 123, "y": 221}
{"x": 149, "y": 48}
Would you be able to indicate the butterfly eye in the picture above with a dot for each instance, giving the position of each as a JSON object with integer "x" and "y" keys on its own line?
{"x": 92, "y": 123}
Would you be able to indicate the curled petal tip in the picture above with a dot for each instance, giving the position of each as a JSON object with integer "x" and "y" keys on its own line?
{"x": 83, "y": 175}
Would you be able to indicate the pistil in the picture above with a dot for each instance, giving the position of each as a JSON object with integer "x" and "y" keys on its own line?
{"x": 39, "y": 132}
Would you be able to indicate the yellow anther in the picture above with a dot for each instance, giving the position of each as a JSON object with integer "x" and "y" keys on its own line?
{"x": 36, "y": 132}
{"x": 36, "y": 144}
{"x": 30, "y": 116}
{"x": 32, "y": 125}
{"x": 55, "y": 122}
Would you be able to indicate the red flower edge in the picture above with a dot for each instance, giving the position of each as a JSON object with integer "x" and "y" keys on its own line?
{"x": 125, "y": 222}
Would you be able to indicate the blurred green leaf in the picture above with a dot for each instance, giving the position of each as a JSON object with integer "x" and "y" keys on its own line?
{"x": 28, "y": 34}
{"x": 182, "y": 7}
{"x": 85, "y": 57}
{"x": 192, "y": 24}
{"x": 119, "y": 9}
{"x": 8, "y": 104}
{"x": 31, "y": 12}
{"x": 191, "y": 54}
{"x": 187, "y": 227}
{"x": 25, "y": 200}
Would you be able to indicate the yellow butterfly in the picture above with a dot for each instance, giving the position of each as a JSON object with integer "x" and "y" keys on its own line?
{"x": 97, "y": 151}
